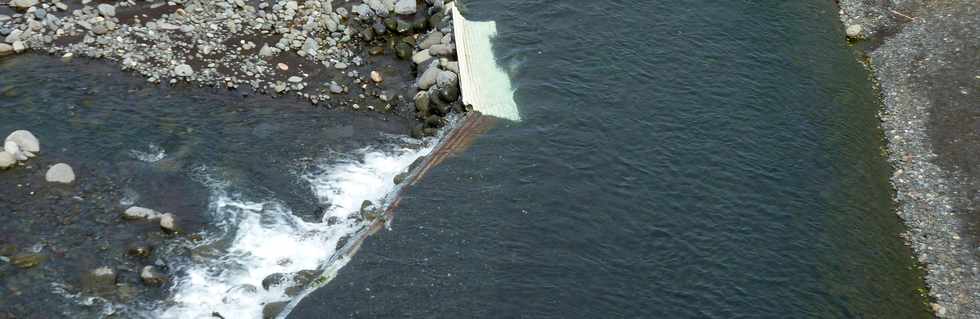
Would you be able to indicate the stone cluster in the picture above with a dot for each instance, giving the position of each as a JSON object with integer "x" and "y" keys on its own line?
{"x": 308, "y": 48}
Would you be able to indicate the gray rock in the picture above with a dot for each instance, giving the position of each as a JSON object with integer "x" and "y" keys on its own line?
{"x": 378, "y": 7}
{"x": 453, "y": 66}
{"x": 138, "y": 213}
{"x": 441, "y": 50}
{"x": 428, "y": 77}
{"x": 266, "y": 51}
{"x": 421, "y": 57}
{"x": 433, "y": 38}
{"x": 13, "y": 36}
{"x": 107, "y": 10}
{"x": 167, "y": 222}
{"x": 446, "y": 78}
{"x": 6, "y": 49}
{"x": 311, "y": 46}
{"x": 853, "y": 31}
{"x": 99, "y": 280}
{"x": 152, "y": 276}
{"x": 26, "y": 140}
{"x": 183, "y": 70}
{"x": 7, "y": 160}
{"x": 422, "y": 102}
{"x": 340, "y": 66}
{"x": 362, "y": 10}
{"x": 336, "y": 88}
{"x": 294, "y": 79}
{"x": 19, "y": 46}
{"x": 405, "y": 7}
{"x": 23, "y": 4}
{"x": 60, "y": 173}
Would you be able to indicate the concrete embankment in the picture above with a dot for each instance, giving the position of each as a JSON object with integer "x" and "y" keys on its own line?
{"x": 924, "y": 56}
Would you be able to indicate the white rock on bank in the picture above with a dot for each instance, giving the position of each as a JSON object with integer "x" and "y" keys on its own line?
{"x": 853, "y": 31}
{"x": 25, "y": 140}
{"x": 184, "y": 70}
{"x": 405, "y": 7}
{"x": 6, "y": 49}
{"x": 60, "y": 173}
{"x": 23, "y": 4}
{"x": 136, "y": 212}
{"x": 107, "y": 10}
{"x": 7, "y": 160}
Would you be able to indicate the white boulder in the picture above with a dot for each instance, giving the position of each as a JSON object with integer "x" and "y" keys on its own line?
{"x": 405, "y": 7}
{"x": 60, "y": 173}
{"x": 136, "y": 212}
{"x": 25, "y": 140}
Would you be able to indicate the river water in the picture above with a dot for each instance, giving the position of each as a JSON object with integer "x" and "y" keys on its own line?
{"x": 681, "y": 160}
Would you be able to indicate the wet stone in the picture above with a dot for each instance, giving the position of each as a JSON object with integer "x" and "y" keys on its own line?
{"x": 28, "y": 260}
{"x": 270, "y": 311}
{"x": 152, "y": 276}
{"x": 99, "y": 280}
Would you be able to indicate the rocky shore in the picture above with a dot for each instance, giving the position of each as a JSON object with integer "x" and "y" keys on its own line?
{"x": 369, "y": 55}
{"x": 923, "y": 55}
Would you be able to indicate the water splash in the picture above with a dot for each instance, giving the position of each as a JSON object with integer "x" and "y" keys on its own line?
{"x": 258, "y": 238}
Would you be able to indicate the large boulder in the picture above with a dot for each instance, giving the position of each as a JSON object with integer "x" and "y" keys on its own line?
{"x": 26, "y": 140}
{"x": 429, "y": 77}
{"x": 60, "y": 173}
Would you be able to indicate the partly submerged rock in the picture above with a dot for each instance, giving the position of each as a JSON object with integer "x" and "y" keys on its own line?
{"x": 101, "y": 279}
{"x": 7, "y": 160}
{"x": 60, "y": 173}
{"x": 25, "y": 140}
{"x": 136, "y": 213}
{"x": 152, "y": 276}
{"x": 167, "y": 222}
{"x": 27, "y": 260}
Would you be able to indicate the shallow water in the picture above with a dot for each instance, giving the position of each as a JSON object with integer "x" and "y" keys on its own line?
{"x": 674, "y": 160}
{"x": 267, "y": 185}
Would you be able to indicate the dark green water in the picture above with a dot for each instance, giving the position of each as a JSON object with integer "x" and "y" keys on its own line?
{"x": 678, "y": 160}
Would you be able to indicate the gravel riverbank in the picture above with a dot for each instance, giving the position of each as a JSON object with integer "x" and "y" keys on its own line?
{"x": 924, "y": 56}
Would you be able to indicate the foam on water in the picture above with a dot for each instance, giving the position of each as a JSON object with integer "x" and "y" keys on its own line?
{"x": 155, "y": 154}
{"x": 258, "y": 238}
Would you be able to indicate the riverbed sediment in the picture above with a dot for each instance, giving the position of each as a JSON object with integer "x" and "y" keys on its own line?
{"x": 923, "y": 55}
